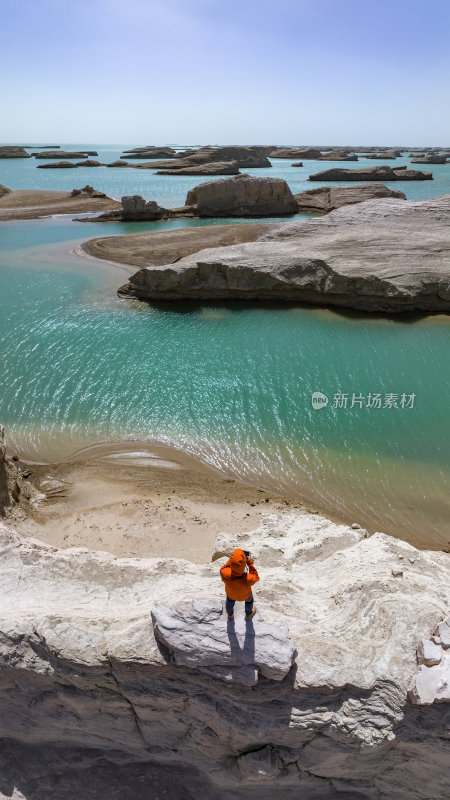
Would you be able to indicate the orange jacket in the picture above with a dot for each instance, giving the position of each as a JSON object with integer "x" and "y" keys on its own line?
{"x": 238, "y": 582}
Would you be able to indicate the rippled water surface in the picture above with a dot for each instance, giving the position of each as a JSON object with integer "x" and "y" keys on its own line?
{"x": 231, "y": 385}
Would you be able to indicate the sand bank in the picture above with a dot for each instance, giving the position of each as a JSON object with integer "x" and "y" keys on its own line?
{"x": 141, "y": 500}
{"x": 33, "y": 204}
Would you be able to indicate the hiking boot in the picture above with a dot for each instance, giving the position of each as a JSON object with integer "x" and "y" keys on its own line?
{"x": 252, "y": 614}
{"x": 230, "y": 616}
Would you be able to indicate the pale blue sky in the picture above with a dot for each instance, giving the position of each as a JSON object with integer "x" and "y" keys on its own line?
{"x": 292, "y": 71}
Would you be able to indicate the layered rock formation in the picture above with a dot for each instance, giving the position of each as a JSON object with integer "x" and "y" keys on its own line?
{"x": 327, "y": 198}
{"x": 214, "y": 168}
{"x": 382, "y": 173}
{"x": 13, "y": 151}
{"x": 242, "y": 196}
{"x": 88, "y": 679}
{"x": 386, "y": 255}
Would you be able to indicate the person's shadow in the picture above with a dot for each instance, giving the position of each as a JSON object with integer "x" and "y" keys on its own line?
{"x": 242, "y": 648}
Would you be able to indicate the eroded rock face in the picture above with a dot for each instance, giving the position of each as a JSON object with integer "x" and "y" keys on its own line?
{"x": 386, "y": 255}
{"x": 150, "y": 152}
{"x": 382, "y": 173}
{"x": 296, "y": 152}
{"x": 242, "y": 196}
{"x": 58, "y": 165}
{"x": 3, "y": 190}
{"x": 327, "y": 198}
{"x": 83, "y": 677}
{"x": 134, "y": 207}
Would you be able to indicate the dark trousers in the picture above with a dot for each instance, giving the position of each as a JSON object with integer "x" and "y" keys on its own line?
{"x": 229, "y": 605}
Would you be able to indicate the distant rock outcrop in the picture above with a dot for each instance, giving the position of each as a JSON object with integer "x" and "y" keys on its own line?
{"x": 319, "y": 696}
{"x": 119, "y": 163}
{"x": 244, "y": 156}
{"x": 242, "y": 196}
{"x": 89, "y": 163}
{"x": 58, "y": 165}
{"x": 65, "y": 154}
{"x": 3, "y": 190}
{"x": 13, "y": 151}
{"x": 327, "y": 198}
{"x": 151, "y": 152}
{"x": 134, "y": 207}
{"x": 338, "y": 156}
{"x": 431, "y": 158}
{"x": 296, "y": 152}
{"x": 380, "y": 174}
{"x": 214, "y": 168}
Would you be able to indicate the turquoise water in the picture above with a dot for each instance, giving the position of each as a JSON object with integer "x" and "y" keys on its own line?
{"x": 231, "y": 385}
{"x": 170, "y": 191}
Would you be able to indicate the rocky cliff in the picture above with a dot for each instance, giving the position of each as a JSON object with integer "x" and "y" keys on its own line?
{"x": 120, "y": 670}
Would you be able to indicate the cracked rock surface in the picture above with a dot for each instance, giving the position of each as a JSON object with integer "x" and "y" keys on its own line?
{"x": 90, "y": 696}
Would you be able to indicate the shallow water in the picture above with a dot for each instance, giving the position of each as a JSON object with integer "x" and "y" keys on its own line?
{"x": 230, "y": 385}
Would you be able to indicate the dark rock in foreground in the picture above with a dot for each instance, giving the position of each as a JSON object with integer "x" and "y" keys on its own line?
{"x": 328, "y": 198}
{"x": 381, "y": 256}
{"x": 242, "y": 196}
{"x": 215, "y": 168}
{"x": 382, "y": 173}
{"x": 12, "y": 151}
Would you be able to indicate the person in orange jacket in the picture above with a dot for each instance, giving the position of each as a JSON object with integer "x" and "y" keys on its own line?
{"x": 238, "y": 582}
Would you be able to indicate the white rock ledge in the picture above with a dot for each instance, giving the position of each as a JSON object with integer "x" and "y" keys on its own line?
{"x": 84, "y": 683}
{"x": 198, "y": 635}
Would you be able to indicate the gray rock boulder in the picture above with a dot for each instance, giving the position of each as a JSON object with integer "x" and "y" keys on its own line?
{"x": 242, "y": 196}
{"x": 327, "y": 198}
{"x": 385, "y": 255}
{"x": 199, "y": 636}
{"x": 214, "y": 168}
{"x": 12, "y": 151}
{"x": 382, "y": 173}
{"x": 134, "y": 207}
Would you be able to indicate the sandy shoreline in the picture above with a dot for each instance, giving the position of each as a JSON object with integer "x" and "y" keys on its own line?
{"x": 142, "y": 501}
